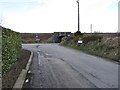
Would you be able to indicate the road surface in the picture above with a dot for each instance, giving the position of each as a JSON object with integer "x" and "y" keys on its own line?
{"x": 54, "y": 66}
{"x": 0, "y": 83}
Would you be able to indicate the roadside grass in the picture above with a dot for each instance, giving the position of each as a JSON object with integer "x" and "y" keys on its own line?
{"x": 96, "y": 47}
{"x": 9, "y": 79}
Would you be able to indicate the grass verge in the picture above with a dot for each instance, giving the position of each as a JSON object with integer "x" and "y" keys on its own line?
{"x": 93, "y": 46}
{"x": 11, "y": 76}
{"x": 101, "y": 54}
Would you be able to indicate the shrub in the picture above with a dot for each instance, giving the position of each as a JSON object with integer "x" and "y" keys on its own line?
{"x": 90, "y": 38}
{"x": 78, "y": 33}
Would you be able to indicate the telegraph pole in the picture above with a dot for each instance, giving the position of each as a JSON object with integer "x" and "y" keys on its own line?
{"x": 78, "y": 31}
{"x": 91, "y": 27}
{"x": 78, "y": 17}
{"x": 119, "y": 16}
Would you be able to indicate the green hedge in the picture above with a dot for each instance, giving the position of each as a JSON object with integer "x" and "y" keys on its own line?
{"x": 11, "y": 47}
{"x": 0, "y": 51}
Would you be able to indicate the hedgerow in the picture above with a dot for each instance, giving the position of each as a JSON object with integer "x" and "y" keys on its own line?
{"x": 11, "y": 47}
{"x": 91, "y": 38}
{"x": 0, "y": 51}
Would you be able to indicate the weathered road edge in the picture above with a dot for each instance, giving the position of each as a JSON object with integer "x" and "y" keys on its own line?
{"x": 20, "y": 81}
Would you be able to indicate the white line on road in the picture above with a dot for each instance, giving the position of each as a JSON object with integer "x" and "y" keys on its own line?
{"x": 47, "y": 54}
{"x": 38, "y": 58}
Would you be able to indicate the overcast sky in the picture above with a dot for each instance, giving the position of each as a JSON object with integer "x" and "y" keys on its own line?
{"x": 46, "y": 16}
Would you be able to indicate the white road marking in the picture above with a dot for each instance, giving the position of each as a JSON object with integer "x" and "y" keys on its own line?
{"x": 47, "y": 54}
{"x": 38, "y": 58}
{"x": 39, "y": 50}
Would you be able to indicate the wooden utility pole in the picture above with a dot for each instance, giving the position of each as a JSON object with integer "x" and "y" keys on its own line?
{"x": 119, "y": 16}
{"x": 91, "y": 27}
{"x": 78, "y": 16}
{"x": 78, "y": 31}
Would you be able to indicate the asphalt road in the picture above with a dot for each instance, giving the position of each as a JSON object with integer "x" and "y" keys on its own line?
{"x": 0, "y": 83}
{"x": 54, "y": 66}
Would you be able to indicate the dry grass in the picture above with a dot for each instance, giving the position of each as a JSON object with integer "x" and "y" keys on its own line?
{"x": 112, "y": 41}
